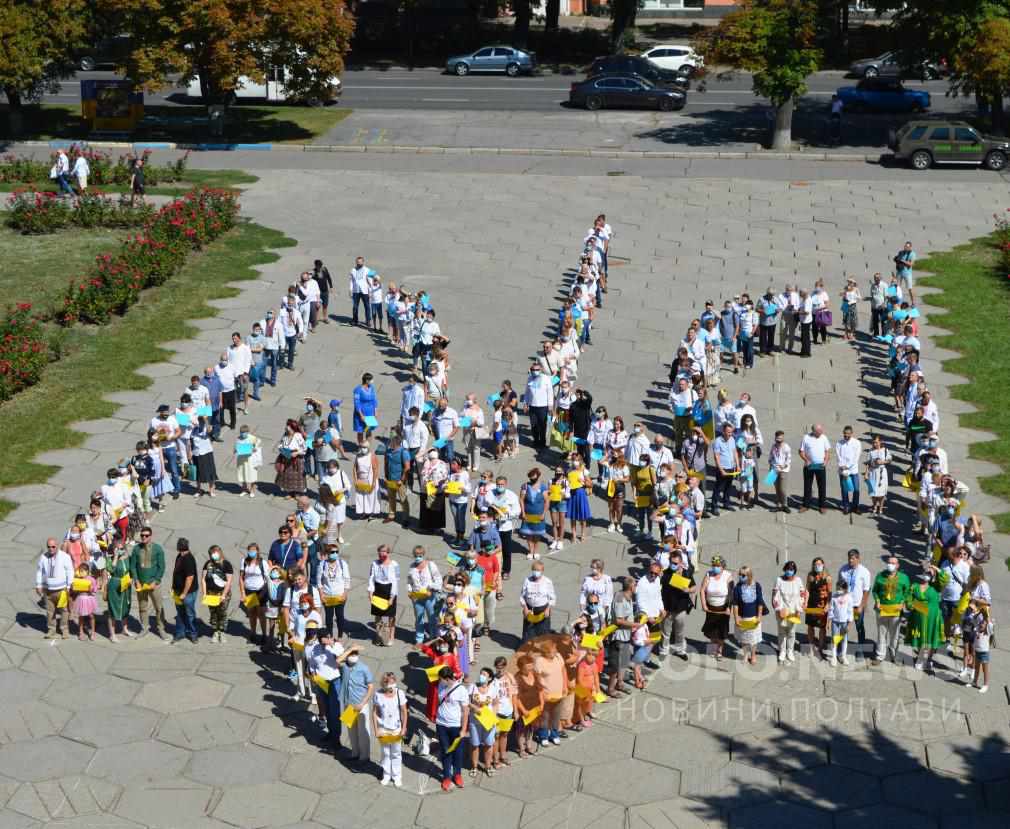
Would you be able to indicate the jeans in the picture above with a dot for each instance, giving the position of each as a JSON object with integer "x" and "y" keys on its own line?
{"x": 745, "y": 345}
{"x": 330, "y": 703}
{"x": 185, "y": 617}
{"x": 363, "y": 299}
{"x": 538, "y": 426}
{"x": 269, "y": 361}
{"x": 65, "y": 188}
{"x": 310, "y": 462}
{"x": 767, "y": 333}
{"x": 216, "y": 421}
{"x": 452, "y": 762}
{"x": 586, "y": 332}
{"x": 447, "y": 452}
{"x": 808, "y": 485}
{"x": 425, "y": 619}
{"x": 172, "y": 465}
{"x": 459, "y": 517}
{"x": 291, "y": 343}
{"x": 850, "y": 500}
{"x": 377, "y": 314}
{"x": 256, "y": 378}
{"x": 241, "y": 387}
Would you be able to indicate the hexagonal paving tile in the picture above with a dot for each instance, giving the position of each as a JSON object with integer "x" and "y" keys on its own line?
{"x": 72, "y": 659}
{"x": 778, "y": 813}
{"x": 20, "y": 686}
{"x": 678, "y": 813}
{"x": 264, "y": 804}
{"x": 732, "y": 715}
{"x": 866, "y": 688}
{"x": 145, "y": 762}
{"x": 640, "y": 782}
{"x": 157, "y": 665}
{"x": 168, "y": 804}
{"x": 44, "y": 759}
{"x": 293, "y": 733}
{"x": 30, "y": 720}
{"x": 973, "y": 758}
{"x": 112, "y": 726}
{"x": 782, "y": 687}
{"x": 235, "y": 765}
{"x": 918, "y": 720}
{"x": 600, "y": 744}
{"x": 205, "y": 728}
{"x": 572, "y": 811}
{"x": 361, "y": 809}
{"x": 832, "y": 788}
{"x": 876, "y": 754}
{"x": 184, "y": 693}
{"x": 893, "y": 817}
{"x": 683, "y": 748}
{"x": 953, "y": 696}
{"x": 641, "y": 713}
{"x": 781, "y": 749}
{"x": 538, "y": 779}
{"x": 65, "y": 799}
{"x": 470, "y": 808}
{"x": 101, "y": 691}
{"x": 736, "y": 783}
{"x": 933, "y": 793}
{"x": 679, "y": 680}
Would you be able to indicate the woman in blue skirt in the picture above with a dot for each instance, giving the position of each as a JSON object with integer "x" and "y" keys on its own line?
{"x": 533, "y": 498}
{"x": 579, "y": 514}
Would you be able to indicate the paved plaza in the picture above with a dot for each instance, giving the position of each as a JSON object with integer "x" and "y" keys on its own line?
{"x": 147, "y": 734}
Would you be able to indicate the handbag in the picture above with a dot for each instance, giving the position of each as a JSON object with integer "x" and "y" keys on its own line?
{"x": 823, "y": 317}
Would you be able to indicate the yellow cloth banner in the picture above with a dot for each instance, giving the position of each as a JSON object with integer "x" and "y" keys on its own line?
{"x": 505, "y": 725}
{"x": 611, "y": 488}
{"x": 379, "y": 603}
{"x": 61, "y": 602}
{"x": 252, "y": 600}
{"x": 678, "y": 581}
{"x": 531, "y": 715}
{"x": 393, "y": 486}
{"x": 418, "y": 595}
{"x": 487, "y": 718}
{"x": 533, "y": 618}
{"x": 211, "y": 600}
{"x": 655, "y": 637}
{"x": 533, "y": 519}
{"x": 794, "y": 619}
{"x": 838, "y": 637}
{"x": 296, "y": 646}
{"x": 431, "y": 489}
{"x": 125, "y": 581}
{"x": 643, "y": 500}
{"x": 322, "y": 684}
{"x": 554, "y": 493}
{"x": 433, "y": 672}
{"x": 575, "y": 479}
{"x": 176, "y": 598}
{"x": 920, "y": 607}
{"x": 332, "y": 601}
{"x": 609, "y": 629}
{"x": 390, "y": 739}
{"x": 747, "y": 624}
{"x": 349, "y": 716}
{"x": 591, "y": 641}
{"x": 582, "y": 692}
{"x": 890, "y": 610}
{"x": 81, "y": 585}
{"x": 362, "y": 486}
{"x": 453, "y": 488}
{"x": 815, "y": 611}
{"x": 600, "y": 697}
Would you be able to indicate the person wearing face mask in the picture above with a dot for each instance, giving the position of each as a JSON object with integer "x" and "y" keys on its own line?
{"x": 357, "y": 688}
{"x": 334, "y": 583}
{"x": 536, "y": 598}
{"x": 472, "y": 433}
{"x": 215, "y": 590}
{"x": 538, "y": 401}
{"x": 678, "y": 595}
{"x": 365, "y": 473}
{"x": 457, "y": 488}
{"x": 389, "y": 724}
{"x": 876, "y": 475}
{"x": 227, "y": 377}
{"x": 53, "y": 577}
{"x": 424, "y": 586}
{"x": 749, "y": 610}
{"x": 273, "y": 341}
{"x": 485, "y": 532}
{"x": 638, "y": 444}
{"x": 597, "y": 586}
{"x": 649, "y": 600}
{"x": 383, "y": 582}
{"x": 789, "y": 599}
{"x": 310, "y": 420}
{"x": 117, "y": 596}
{"x": 716, "y": 591}
{"x": 505, "y": 505}
{"x": 434, "y": 473}
{"x": 749, "y": 324}
{"x": 185, "y": 588}
{"x": 482, "y": 738}
{"x": 253, "y": 583}
{"x": 290, "y": 465}
{"x": 116, "y": 502}
{"x": 533, "y": 499}
{"x": 451, "y": 724}
{"x": 890, "y": 592}
{"x": 203, "y": 457}
{"x": 818, "y": 601}
{"x": 599, "y": 432}
{"x": 248, "y": 460}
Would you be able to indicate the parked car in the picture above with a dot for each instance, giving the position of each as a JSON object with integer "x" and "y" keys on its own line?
{"x": 272, "y": 89}
{"x": 883, "y": 95}
{"x": 682, "y": 59}
{"x": 624, "y": 91}
{"x": 106, "y": 53}
{"x": 505, "y": 59}
{"x": 898, "y": 65}
{"x": 637, "y": 65}
{"x": 925, "y": 143}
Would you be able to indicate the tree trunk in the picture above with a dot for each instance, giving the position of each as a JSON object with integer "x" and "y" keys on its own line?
{"x": 998, "y": 115}
{"x": 13, "y": 97}
{"x": 623, "y": 14}
{"x": 521, "y": 29}
{"x": 782, "y": 137}
{"x": 552, "y": 15}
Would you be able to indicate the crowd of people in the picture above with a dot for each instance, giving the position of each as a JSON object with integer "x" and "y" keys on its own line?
{"x": 294, "y": 592}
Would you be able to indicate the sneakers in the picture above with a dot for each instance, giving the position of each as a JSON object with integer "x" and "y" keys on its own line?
{"x": 844, "y": 660}
{"x": 561, "y": 546}
{"x": 556, "y": 740}
{"x": 385, "y": 781}
{"x": 833, "y": 661}
{"x": 611, "y": 528}
{"x": 446, "y": 785}
{"x": 790, "y": 656}
{"x": 529, "y": 556}
{"x": 458, "y": 781}
{"x": 964, "y": 673}
{"x": 983, "y": 689}
{"x": 782, "y": 659}
{"x": 918, "y": 666}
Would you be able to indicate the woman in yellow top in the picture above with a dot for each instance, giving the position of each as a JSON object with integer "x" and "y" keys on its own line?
{"x": 579, "y": 480}
{"x": 643, "y": 480}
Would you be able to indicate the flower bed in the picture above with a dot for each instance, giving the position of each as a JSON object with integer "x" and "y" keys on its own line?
{"x": 105, "y": 170}
{"x": 24, "y": 350}
{"x": 34, "y": 212}
{"x": 149, "y": 258}
{"x": 1003, "y": 240}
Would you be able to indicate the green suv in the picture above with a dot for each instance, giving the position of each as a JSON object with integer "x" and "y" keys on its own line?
{"x": 925, "y": 143}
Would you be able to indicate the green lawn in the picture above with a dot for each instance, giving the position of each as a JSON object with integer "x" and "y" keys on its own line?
{"x": 976, "y": 294}
{"x": 246, "y": 123}
{"x": 102, "y": 359}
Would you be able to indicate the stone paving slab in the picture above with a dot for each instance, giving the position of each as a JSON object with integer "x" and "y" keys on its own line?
{"x": 213, "y": 730}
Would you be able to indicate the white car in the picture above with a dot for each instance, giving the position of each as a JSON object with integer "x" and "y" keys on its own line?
{"x": 677, "y": 57}
{"x": 272, "y": 90}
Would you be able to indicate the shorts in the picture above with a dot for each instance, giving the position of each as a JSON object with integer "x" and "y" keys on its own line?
{"x": 982, "y": 657}
{"x": 642, "y": 654}
{"x": 729, "y": 344}
{"x": 906, "y": 278}
{"x": 480, "y": 737}
{"x": 619, "y": 656}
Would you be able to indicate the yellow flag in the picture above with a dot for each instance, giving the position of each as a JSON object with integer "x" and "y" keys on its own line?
{"x": 210, "y": 600}
{"x": 80, "y": 585}
{"x": 591, "y": 641}
{"x": 333, "y": 601}
{"x": 487, "y": 718}
{"x": 322, "y": 684}
{"x": 505, "y": 725}
{"x": 747, "y": 624}
{"x": 679, "y": 582}
{"x": 531, "y": 715}
{"x": 252, "y": 600}
{"x": 349, "y": 716}
{"x": 379, "y": 603}
{"x": 62, "y": 601}
{"x": 433, "y": 672}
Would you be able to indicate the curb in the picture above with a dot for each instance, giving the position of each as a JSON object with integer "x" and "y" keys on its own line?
{"x": 398, "y": 149}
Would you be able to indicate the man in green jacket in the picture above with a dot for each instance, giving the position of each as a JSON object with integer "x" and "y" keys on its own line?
{"x": 147, "y": 569}
{"x": 890, "y": 591}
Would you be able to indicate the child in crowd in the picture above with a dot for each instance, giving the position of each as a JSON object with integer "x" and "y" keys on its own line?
{"x": 84, "y": 588}
{"x": 982, "y": 648}
{"x": 840, "y": 616}
{"x": 748, "y": 468}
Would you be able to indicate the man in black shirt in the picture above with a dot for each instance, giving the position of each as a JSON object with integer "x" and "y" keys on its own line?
{"x": 678, "y": 593}
{"x": 322, "y": 277}
{"x": 184, "y": 592}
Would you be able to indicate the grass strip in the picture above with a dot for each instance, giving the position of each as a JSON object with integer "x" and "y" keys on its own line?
{"x": 975, "y": 291}
{"x": 102, "y": 360}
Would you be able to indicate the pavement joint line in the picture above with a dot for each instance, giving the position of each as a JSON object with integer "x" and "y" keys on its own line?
{"x": 735, "y": 155}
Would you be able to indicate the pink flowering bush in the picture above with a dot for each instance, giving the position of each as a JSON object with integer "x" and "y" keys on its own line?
{"x": 1003, "y": 239}
{"x": 105, "y": 169}
{"x": 24, "y": 350}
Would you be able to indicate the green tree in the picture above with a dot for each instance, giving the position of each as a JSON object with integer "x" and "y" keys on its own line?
{"x": 221, "y": 40}
{"x": 37, "y": 45}
{"x": 982, "y": 67}
{"x": 774, "y": 40}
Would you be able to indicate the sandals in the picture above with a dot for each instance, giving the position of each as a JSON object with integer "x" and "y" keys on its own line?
{"x": 475, "y": 771}
{"x": 489, "y": 771}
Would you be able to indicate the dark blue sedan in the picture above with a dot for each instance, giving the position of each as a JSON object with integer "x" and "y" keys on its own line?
{"x": 883, "y": 95}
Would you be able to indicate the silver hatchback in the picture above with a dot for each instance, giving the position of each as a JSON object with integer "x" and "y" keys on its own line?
{"x": 505, "y": 59}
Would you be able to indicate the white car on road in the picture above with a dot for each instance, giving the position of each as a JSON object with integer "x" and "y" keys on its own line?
{"x": 273, "y": 89}
{"x": 677, "y": 57}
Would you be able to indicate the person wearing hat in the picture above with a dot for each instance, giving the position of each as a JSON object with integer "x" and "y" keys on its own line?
{"x": 184, "y": 591}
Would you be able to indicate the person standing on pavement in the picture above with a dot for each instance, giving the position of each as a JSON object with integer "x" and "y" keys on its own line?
{"x": 857, "y": 578}
{"x": 622, "y": 615}
{"x": 814, "y": 450}
{"x": 322, "y": 277}
{"x": 147, "y": 569}
{"x": 184, "y": 592}
{"x": 903, "y": 262}
{"x": 878, "y": 306}
{"x": 537, "y": 598}
{"x": 451, "y": 725}
{"x": 256, "y": 343}
{"x": 780, "y": 458}
{"x": 890, "y": 592}
{"x": 505, "y": 504}
{"x": 726, "y": 454}
{"x": 357, "y": 687}
{"x": 53, "y": 577}
{"x": 273, "y": 334}
{"x": 445, "y": 428}
{"x": 358, "y": 290}
{"x": 789, "y": 302}
{"x": 216, "y": 585}
{"x": 539, "y": 401}
{"x": 291, "y": 330}
{"x": 389, "y": 723}
{"x": 848, "y": 452}
{"x": 215, "y": 397}
{"x": 412, "y": 397}
{"x": 805, "y": 313}
{"x": 397, "y": 462}
{"x": 240, "y": 360}
{"x": 789, "y": 599}
{"x": 383, "y": 587}
{"x": 678, "y": 592}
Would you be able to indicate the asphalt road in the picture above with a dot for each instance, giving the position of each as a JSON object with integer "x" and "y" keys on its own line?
{"x": 430, "y": 89}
